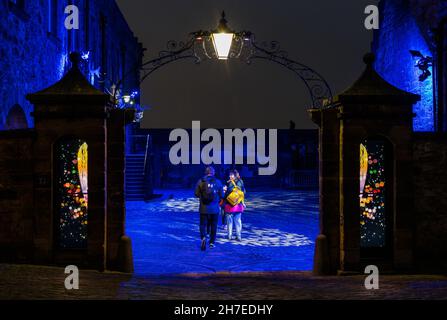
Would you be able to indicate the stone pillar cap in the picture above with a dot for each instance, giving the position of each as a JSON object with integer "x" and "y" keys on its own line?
{"x": 370, "y": 87}
{"x": 73, "y": 86}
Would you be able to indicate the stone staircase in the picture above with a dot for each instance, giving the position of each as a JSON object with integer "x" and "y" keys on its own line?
{"x": 134, "y": 177}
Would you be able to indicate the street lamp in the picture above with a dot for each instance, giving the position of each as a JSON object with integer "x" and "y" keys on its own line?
{"x": 222, "y": 39}
{"x": 228, "y": 44}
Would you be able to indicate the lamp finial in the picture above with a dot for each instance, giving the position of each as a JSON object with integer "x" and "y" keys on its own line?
{"x": 369, "y": 59}
{"x": 75, "y": 59}
{"x": 223, "y": 23}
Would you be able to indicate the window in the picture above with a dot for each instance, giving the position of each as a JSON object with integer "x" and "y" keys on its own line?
{"x": 374, "y": 169}
{"x": 71, "y": 188}
{"x": 52, "y": 16}
{"x": 18, "y": 8}
{"x": 87, "y": 25}
{"x": 19, "y": 4}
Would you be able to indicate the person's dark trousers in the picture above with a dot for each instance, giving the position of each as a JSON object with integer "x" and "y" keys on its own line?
{"x": 211, "y": 220}
{"x": 224, "y": 217}
{"x": 208, "y": 228}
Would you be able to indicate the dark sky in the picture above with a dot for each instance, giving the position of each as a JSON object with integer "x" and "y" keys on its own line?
{"x": 326, "y": 35}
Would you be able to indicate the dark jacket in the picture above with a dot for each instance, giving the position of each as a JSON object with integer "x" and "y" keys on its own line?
{"x": 230, "y": 187}
{"x": 213, "y": 207}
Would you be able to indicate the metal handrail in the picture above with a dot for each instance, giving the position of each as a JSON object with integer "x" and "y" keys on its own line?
{"x": 145, "y": 154}
{"x": 304, "y": 177}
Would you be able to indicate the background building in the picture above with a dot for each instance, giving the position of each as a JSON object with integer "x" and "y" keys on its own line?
{"x": 34, "y": 49}
{"x": 418, "y": 26}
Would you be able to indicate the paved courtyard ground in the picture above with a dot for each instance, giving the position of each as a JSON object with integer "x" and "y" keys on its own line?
{"x": 34, "y": 282}
{"x": 279, "y": 229}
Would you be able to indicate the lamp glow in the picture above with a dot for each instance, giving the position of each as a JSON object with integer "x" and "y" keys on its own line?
{"x": 126, "y": 99}
{"x": 222, "y": 44}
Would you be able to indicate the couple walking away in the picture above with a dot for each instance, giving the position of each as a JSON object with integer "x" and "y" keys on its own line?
{"x": 215, "y": 197}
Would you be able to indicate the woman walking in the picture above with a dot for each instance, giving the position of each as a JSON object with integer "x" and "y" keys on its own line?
{"x": 234, "y": 204}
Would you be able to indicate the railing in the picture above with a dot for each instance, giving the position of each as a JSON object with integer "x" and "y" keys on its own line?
{"x": 138, "y": 144}
{"x": 302, "y": 179}
{"x": 148, "y": 170}
{"x": 146, "y": 152}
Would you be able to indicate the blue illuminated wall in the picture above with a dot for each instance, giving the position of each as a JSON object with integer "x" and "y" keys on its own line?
{"x": 398, "y": 34}
{"x": 34, "y": 48}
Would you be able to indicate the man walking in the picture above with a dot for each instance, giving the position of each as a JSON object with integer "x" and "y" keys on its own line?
{"x": 209, "y": 190}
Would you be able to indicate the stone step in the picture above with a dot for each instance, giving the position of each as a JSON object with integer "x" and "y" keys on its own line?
{"x": 132, "y": 156}
{"x": 135, "y": 181}
{"x": 134, "y": 177}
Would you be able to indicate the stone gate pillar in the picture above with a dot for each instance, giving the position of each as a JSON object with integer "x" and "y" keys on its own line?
{"x": 119, "y": 250}
{"x": 370, "y": 110}
{"x": 78, "y": 162}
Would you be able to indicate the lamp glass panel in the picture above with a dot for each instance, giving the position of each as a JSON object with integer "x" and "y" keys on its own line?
{"x": 222, "y": 44}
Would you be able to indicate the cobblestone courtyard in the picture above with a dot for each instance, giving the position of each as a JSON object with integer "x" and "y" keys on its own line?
{"x": 34, "y": 282}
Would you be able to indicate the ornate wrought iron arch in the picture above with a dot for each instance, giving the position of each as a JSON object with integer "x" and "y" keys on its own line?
{"x": 199, "y": 47}
{"x": 318, "y": 88}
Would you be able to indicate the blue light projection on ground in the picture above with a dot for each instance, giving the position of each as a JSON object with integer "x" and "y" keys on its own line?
{"x": 278, "y": 234}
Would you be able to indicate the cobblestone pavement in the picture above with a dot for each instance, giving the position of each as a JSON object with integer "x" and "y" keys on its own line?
{"x": 37, "y": 282}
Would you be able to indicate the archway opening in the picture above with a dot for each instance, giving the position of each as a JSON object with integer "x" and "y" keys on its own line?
{"x": 280, "y": 222}
{"x": 281, "y": 219}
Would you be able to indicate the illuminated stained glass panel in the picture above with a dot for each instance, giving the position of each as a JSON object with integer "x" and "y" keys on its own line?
{"x": 72, "y": 193}
{"x": 372, "y": 194}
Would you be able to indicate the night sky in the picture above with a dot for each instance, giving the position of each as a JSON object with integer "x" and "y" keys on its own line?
{"x": 326, "y": 35}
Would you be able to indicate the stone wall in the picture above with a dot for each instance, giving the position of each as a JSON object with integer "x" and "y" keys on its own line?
{"x": 16, "y": 195}
{"x": 429, "y": 13}
{"x": 400, "y": 31}
{"x": 33, "y": 57}
{"x": 430, "y": 190}
{"x": 407, "y": 25}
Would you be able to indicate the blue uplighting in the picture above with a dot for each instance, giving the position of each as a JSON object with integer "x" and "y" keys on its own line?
{"x": 398, "y": 34}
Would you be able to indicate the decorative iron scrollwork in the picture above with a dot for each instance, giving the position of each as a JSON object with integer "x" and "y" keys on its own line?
{"x": 174, "y": 51}
{"x": 318, "y": 88}
{"x": 199, "y": 47}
